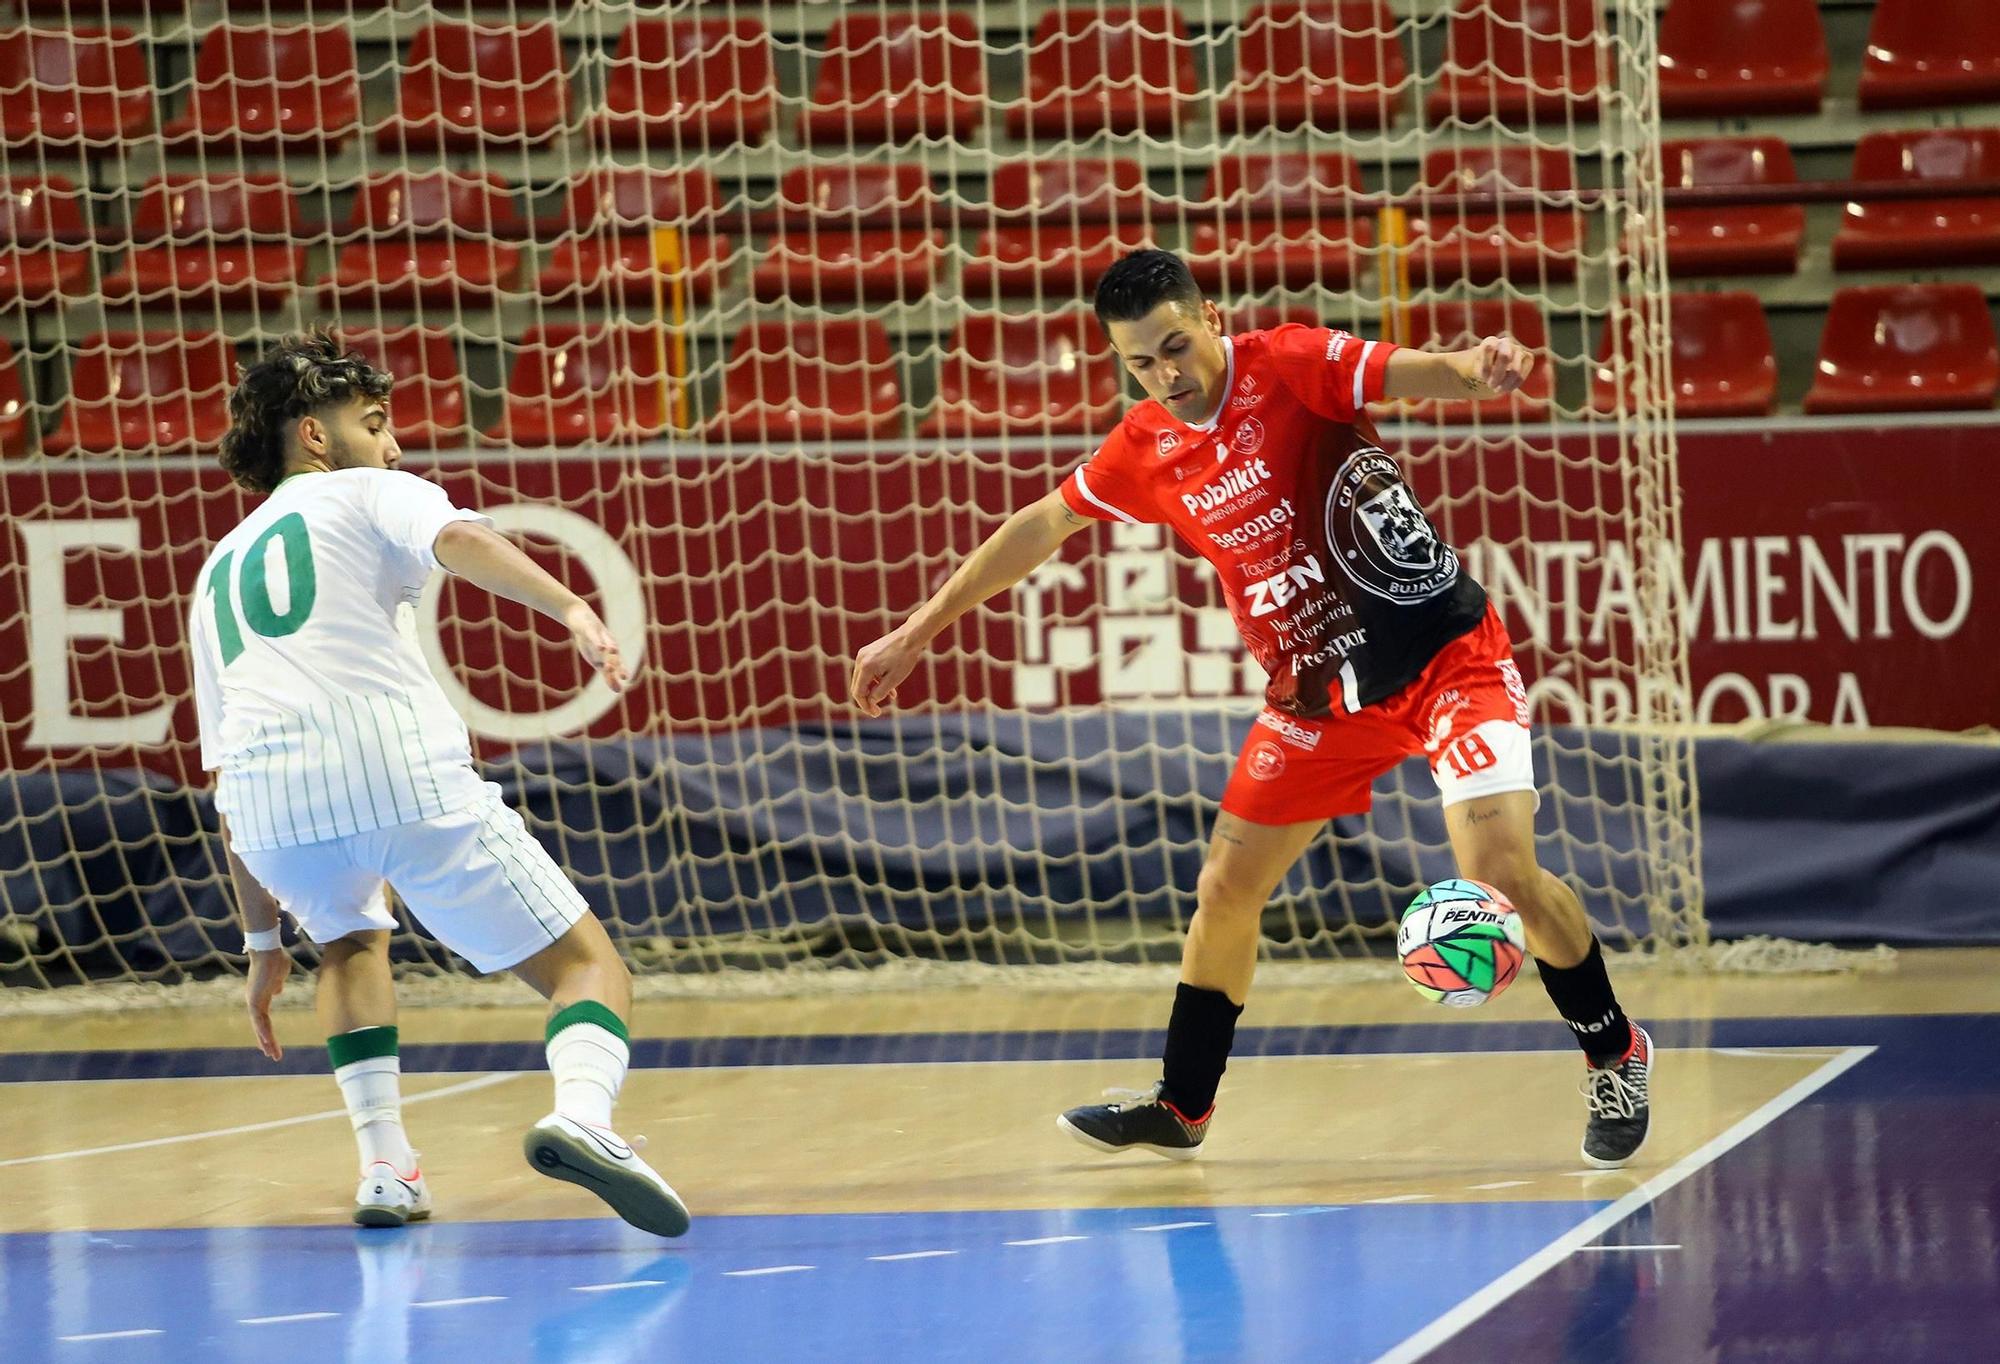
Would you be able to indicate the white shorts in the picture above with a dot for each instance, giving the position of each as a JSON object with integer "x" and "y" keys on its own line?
{"x": 476, "y": 880}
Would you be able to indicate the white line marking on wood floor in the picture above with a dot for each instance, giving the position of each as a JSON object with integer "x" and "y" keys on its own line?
{"x": 773, "y": 1269}
{"x": 462, "y": 1087}
{"x": 1499, "y": 1184}
{"x": 1594, "y": 1226}
{"x": 1399, "y": 1198}
{"x": 291, "y": 1316}
{"x": 608, "y": 1287}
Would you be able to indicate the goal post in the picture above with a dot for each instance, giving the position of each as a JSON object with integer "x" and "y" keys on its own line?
{"x": 753, "y": 320}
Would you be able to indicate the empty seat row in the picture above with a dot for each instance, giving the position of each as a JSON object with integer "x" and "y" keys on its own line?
{"x": 845, "y": 232}
{"x": 710, "y": 80}
{"x": 1884, "y": 349}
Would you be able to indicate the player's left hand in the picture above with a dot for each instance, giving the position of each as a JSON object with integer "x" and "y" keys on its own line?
{"x": 594, "y": 640}
{"x": 1501, "y": 364}
{"x": 268, "y": 971}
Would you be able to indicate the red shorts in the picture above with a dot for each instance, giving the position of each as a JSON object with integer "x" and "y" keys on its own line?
{"x": 1467, "y": 711}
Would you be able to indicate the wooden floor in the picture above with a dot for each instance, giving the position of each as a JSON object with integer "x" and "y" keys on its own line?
{"x": 1466, "y": 1121}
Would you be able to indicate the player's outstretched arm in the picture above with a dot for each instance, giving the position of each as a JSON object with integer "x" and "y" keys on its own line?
{"x": 485, "y": 557}
{"x": 1023, "y": 542}
{"x": 268, "y": 965}
{"x": 1497, "y": 365}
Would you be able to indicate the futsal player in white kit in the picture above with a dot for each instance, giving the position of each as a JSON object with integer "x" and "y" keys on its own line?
{"x": 340, "y": 766}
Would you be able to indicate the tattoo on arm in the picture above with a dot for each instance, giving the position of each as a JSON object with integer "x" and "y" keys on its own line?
{"x": 1070, "y": 515}
{"x": 1480, "y": 816}
{"x": 1471, "y": 383}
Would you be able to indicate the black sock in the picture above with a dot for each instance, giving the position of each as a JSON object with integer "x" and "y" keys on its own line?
{"x": 1199, "y": 1035}
{"x": 1582, "y": 995}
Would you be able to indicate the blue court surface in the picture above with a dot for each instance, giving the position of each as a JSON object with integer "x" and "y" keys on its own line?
{"x": 1860, "y": 1221}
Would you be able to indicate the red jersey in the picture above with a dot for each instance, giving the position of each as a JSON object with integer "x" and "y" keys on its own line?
{"x": 1342, "y": 589}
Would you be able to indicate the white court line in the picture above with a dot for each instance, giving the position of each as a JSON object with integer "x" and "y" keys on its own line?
{"x": 1581, "y": 1249}
{"x": 1500, "y": 1184}
{"x": 461, "y": 1302}
{"x": 462, "y": 1087}
{"x": 295, "y": 1316}
{"x": 1171, "y": 1226}
{"x": 774, "y": 1269}
{"x": 116, "y": 1335}
{"x": 607, "y": 1287}
{"x": 1594, "y": 1226}
{"x": 1045, "y": 1240}
{"x": 912, "y": 1255}
{"x": 1270, "y": 1214}
{"x": 1399, "y": 1198}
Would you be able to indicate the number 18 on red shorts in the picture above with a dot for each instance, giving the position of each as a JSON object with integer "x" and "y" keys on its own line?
{"x": 1467, "y": 713}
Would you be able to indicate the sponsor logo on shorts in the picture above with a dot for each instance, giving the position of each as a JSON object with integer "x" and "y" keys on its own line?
{"x": 1517, "y": 691}
{"x": 1266, "y": 760}
{"x": 1380, "y": 537}
{"x": 1335, "y": 344}
{"x": 1290, "y": 730}
{"x": 1445, "y": 709}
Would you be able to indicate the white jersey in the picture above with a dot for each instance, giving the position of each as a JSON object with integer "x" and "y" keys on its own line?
{"x": 315, "y": 705}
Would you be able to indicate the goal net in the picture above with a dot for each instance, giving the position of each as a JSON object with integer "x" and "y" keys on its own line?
{"x": 752, "y": 320}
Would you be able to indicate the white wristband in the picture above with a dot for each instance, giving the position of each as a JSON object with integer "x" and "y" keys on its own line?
{"x": 265, "y": 940}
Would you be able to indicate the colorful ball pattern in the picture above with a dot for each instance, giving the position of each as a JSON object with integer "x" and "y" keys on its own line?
{"x": 1461, "y": 943}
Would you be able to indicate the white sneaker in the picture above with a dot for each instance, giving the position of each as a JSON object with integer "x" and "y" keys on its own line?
{"x": 598, "y": 1159}
{"x": 387, "y": 1199}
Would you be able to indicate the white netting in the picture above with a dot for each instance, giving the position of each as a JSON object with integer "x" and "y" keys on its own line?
{"x": 757, "y": 317}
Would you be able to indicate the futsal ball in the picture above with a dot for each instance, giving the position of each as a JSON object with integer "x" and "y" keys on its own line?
{"x": 1461, "y": 943}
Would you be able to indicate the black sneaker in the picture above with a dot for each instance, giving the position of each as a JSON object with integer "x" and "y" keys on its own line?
{"x": 1620, "y": 1111}
{"x": 1137, "y": 1118}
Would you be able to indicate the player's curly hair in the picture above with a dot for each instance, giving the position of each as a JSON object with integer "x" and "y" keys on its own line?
{"x": 1141, "y": 282}
{"x": 297, "y": 377}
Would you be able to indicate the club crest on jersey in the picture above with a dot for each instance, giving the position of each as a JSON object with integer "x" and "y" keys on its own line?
{"x": 1170, "y": 441}
{"x": 1380, "y": 536}
{"x": 1266, "y": 761}
{"x": 1248, "y": 438}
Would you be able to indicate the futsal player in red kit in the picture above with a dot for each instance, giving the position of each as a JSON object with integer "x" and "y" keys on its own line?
{"x": 1256, "y": 449}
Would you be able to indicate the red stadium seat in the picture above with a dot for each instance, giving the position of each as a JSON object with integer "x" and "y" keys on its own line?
{"x": 1263, "y": 317}
{"x": 427, "y": 406}
{"x": 1059, "y": 223}
{"x": 573, "y": 384}
{"x": 229, "y": 240}
{"x": 1443, "y": 325}
{"x": 466, "y": 84}
{"x": 788, "y": 382}
{"x": 1516, "y": 60}
{"x": 691, "y": 82}
{"x": 1921, "y": 233}
{"x": 1025, "y": 376}
{"x": 604, "y": 238}
{"x": 1906, "y": 348}
{"x": 1720, "y": 57}
{"x": 63, "y": 86}
{"x": 1926, "y": 53}
{"x": 16, "y": 425}
{"x": 152, "y": 393}
{"x": 1116, "y": 70}
{"x": 1334, "y": 64}
{"x": 1723, "y": 363}
{"x": 1278, "y": 220}
{"x": 1528, "y": 240}
{"x": 45, "y": 240}
{"x": 431, "y": 237}
{"x": 1739, "y": 240}
{"x": 262, "y": 88}
{"x": 852, "y": 231}
{"x": 891, "y": 77}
